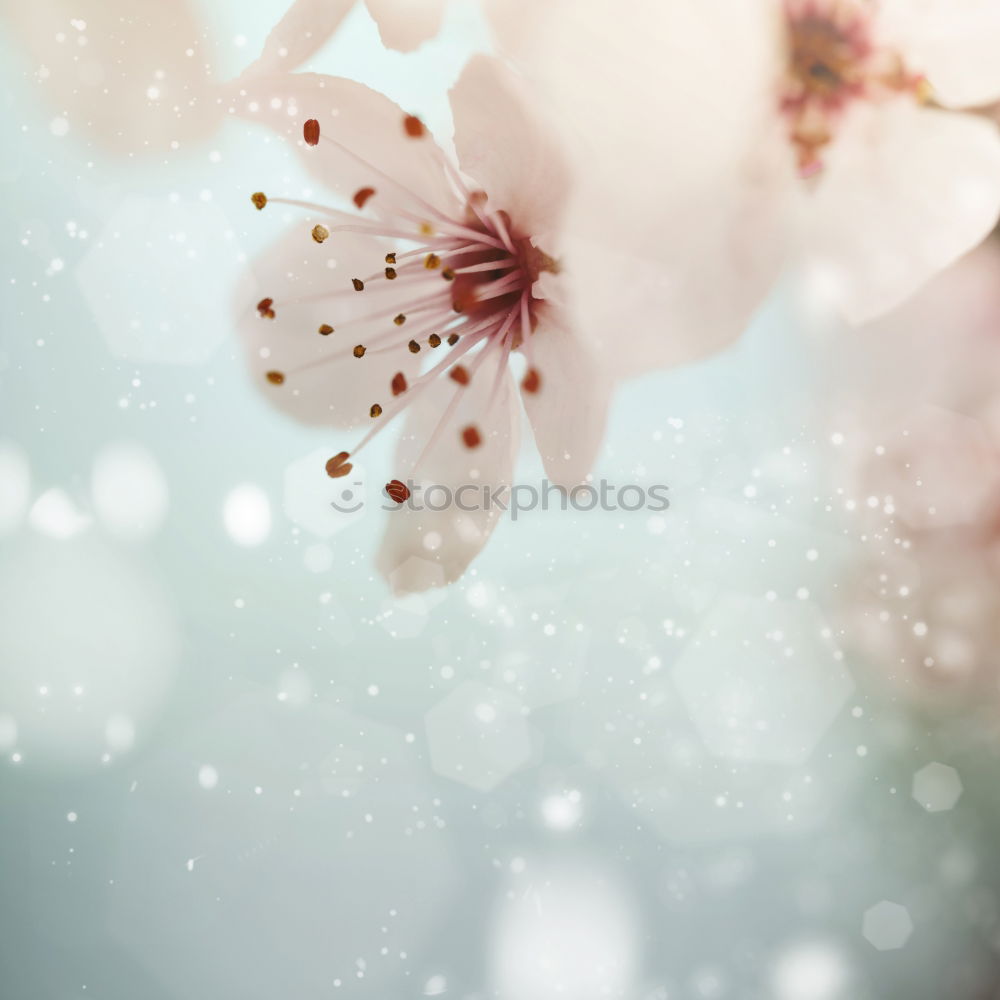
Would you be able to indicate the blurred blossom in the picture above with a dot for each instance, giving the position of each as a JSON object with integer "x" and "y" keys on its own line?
{"x": 921, "y": 469}
{"x": 141, "y": 79}
{"x": 402, "y": 25}
{"x": 798, "y": 131}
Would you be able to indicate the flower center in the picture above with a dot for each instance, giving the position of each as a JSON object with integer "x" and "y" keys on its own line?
{"x": 833, "y": 61}
{"x": 463, "y": 284}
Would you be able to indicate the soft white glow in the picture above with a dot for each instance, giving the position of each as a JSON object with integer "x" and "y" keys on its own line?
{"x": 813, "y": 970}
{"x": 568, "y": 933}
{"x": 55, "y": 515}
{"x": 129, "y": 491}
{"x": 246, "y": 513}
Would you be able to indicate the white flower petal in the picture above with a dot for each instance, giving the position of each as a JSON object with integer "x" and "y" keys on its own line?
{"x": 954, "y": 43}
{"x": 906, "y": 191}
{"x": 568, "y": 413}
{"x": 504, "y": 145}
{"x": 406, "y": 24}
{"x": 304, "y": 29}
{"x": 425, "y": 547}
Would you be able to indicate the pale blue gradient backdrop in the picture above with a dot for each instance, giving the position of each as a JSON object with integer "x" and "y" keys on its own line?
{"x": 229, "y": 771}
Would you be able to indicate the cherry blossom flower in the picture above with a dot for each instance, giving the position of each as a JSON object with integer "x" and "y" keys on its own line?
{"x": 839, "y": 123}
{"x": 419, "y": 298}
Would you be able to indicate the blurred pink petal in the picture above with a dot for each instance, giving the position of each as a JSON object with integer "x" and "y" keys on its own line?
{"x": 906, "y": 192}
{"x": 425, "y": 547}
{"x": 568, "y": 418}
{"x": 777, "y": 131}
{"x": 406, "y": 24}
{"x": 134, "y": 78}
{"x": 305, "y": 28}
{"x": 954, "y": 42}
{"x": 919, "y": 414}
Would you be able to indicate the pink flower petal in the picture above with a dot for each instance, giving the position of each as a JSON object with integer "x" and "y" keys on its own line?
{"x": 954, "y": 43}
{"x": 406, "y": 24}
{"x": 568, "y": 411}
{"x": 305, "y": 28}
{"x": 423, "y": 548}
{"x": 383, "y": 155}
{"x": 676, "y": 224}
{"x": 132, "y": 87}
{"x": 906, "y": 191}
{"x": 333, "y": 387}
{"x": 506, "y": 148}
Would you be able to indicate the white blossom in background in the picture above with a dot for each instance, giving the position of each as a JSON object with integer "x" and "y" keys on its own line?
{"x": 918, "y": 460}
{"x": 812, "y": 132}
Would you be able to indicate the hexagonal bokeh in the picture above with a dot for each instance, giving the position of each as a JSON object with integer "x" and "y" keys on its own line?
{"x": 762, "y": 680}
{"x": 165, "y": 311}
{"x": 321, "y": 505}
{"x": 271, "y": 829}
{"x": 937, "y": 787}
{"x": 887, "y": 926}
{"x": 477, "y": 736}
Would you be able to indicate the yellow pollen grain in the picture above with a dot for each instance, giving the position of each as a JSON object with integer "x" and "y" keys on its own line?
{"x": 320, "y": 233}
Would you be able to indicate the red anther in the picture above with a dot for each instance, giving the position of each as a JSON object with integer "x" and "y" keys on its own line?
{"x": 310, "y": 132}
{"x": 397, "y": 491}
